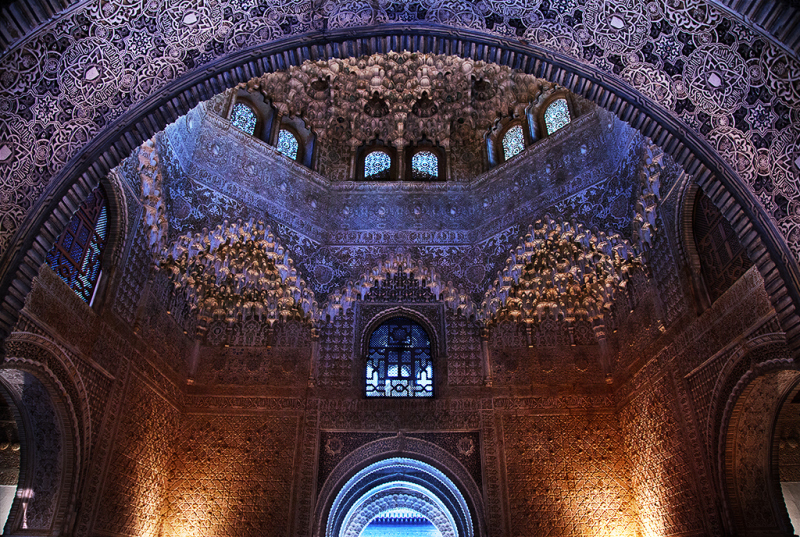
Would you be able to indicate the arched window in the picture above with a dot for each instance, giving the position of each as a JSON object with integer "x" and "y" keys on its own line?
{"x": 513, "y": 142}
{"x": 556, "y": 116}
{"x": 399, "y": 360}
{"x": 424, "y": 166}
{"x": 244, "y": 118}
{"x": 76, "y": 255}
{"x": 377, "y": 166}
{"x": 287, "y": 144}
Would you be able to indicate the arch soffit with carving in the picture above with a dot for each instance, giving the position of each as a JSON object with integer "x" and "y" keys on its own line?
{"x": 79, "y": 410}
{"x": 72, "y": 419}
{"x": 747, "y": 473}
{"x": 399, "y": 446}
{"x": 758, "y": 234}
{"x": 684, "y": 230}
{"x": 750, "y": 362}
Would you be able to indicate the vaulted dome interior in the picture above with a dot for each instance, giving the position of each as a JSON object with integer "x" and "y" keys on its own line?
{"x": 402, "y": 290}
{"x": 554, "y": 247}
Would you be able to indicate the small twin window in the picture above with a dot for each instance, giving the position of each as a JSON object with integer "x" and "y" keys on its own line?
{"x": 377, "y": 165}
{"x": 289, "y": 136}
{"x": 556, "y": 116}
{"x": 399, "y": 360}
{"x": 420, "y": 163}
{"x": 509, "y": 138}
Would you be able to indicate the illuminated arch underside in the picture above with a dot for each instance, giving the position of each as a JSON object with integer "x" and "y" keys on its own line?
{"x": 399, "y": 482}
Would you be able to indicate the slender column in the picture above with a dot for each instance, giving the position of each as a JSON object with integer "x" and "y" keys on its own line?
{"x": 313, "y": 366}
{"x": 487, "y": 367}
{"x": 605, "y": 358}
{"x": 194, "y": 361}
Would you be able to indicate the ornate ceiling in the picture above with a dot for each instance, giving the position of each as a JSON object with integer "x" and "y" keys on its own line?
{"x": 401, "y": 99}
{"x": 80, "y": 81}
{"x": 76, "y": 75}
{"x": 304, "y": 246}
{"x": 597, "y": 170}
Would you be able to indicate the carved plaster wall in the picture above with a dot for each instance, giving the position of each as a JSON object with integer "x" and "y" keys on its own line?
{"x": 751, "y": 476}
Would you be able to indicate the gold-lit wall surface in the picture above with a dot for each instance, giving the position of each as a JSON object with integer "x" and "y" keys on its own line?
{"x": 231, "y": 475}
{"x": 206, "y": 462}
{"x": 568, "y": 475}
{"x": 138, "y": 482}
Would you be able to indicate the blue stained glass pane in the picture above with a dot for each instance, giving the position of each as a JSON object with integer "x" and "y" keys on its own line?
{"x": 424, "y": 166}
{"x": 287, "y": 144}
{"x": 243, "y": 118}
{"x": 556, "y": 115}
{"x": 376, "y": 165}
{"x": 513, "y": 142}
{"x": 101, "y": 228}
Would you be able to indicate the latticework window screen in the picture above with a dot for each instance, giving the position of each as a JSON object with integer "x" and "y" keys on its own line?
{"x": 424, "y": 166}
{"x": 287, "y": 144}
{"x": 243, "y": 118}
{"x": 513, "y": 142}
{"x": 377, "y": 165}
{"x": 76, "y": 255}
{"x": 556, "y": 116}
{"x": 399, "y": 362}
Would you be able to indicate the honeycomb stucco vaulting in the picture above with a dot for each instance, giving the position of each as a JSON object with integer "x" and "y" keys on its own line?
{"x": 401, "y": 99}
{"x": 70, "y": 80}
{"x": 338, "y": 231}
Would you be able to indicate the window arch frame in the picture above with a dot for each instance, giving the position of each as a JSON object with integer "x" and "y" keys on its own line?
{"x": 502, "y": 135}
{"x": 436, "y": 350}
{"x": 555, "y": 96}
{"x": 304, "y": 136}
{"x": 364, "y": 152}
{"x": 494, "y": 138}
{"x": 708, "y": 291}
{"x": 265, "y": 113}
{"x": 701, "y": 297}
{"x": 425, "y": 145}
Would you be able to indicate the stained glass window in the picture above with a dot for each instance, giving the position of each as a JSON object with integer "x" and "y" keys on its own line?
{"x": 513, "y": 142}
{"x": 377, "y": 165}
{"x": 556, "y": 115}
{"x": 75, "y": 256}
{"x": 399, "y": 360}
{"x": 287, "y": 144}
{"x": 424, "y": 166}
{"x": 243, "y": 118}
